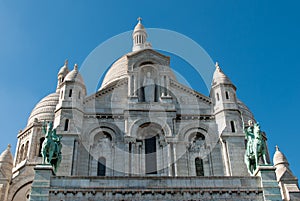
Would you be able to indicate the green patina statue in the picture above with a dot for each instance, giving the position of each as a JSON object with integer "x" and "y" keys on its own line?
{"x": 51, "y": 149}
{"x": 256, "y": 146}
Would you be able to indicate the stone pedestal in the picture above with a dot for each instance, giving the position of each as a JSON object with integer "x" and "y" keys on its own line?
{"x": 41, "y": 184}
{"x": 271, "y": 191}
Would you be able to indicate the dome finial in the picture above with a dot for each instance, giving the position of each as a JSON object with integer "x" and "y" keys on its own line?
{"x": 66, "y": 62}
{"x": 217, "y": 65}
{"x": 277, "y": 148}
{"x": 139, "y": 19}
{"x": 8, "y": 146}
{"x": 75, "y": 67}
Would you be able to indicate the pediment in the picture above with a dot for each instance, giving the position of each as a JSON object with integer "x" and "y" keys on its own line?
{"x": 187, "y": 94}
{"x": 147, "y": 56}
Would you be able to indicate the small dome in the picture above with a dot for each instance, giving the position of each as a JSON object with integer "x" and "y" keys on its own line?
{"x": 220, "y": 77}
{"x": 6, "y": 155}
{"x": 279, "y": 157}
{"x": 44, "y": 110}
{"x": 64, "y": 69}
{"x": 74, "y": 76}
{"x": 6, "y": 162}
{"x": 139, "y": 25}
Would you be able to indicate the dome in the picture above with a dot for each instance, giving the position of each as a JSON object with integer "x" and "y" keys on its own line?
{"x": 6, "y": 155}
{"x": 246, "y": 113}
{"x": 6, "y": 162}
{"x": 64, "y": 69}
{"x": 44, "y": 110}
{"x": 117, "y": 71}
{"x": 220, "y": 77}
{"x": 279, "y": 157}
{"x": 139, "y": 25}
{"x": 74, "y": 76}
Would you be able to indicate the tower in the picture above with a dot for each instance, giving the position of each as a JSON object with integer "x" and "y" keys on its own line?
{"x": 69, "y": 115}
{"x": 6, "y": 165}
{"x": 287, "y": 182}
{"x": 229, "y": 122}
{"x": 64, "y": 70}
{"x": 139, "y": 37}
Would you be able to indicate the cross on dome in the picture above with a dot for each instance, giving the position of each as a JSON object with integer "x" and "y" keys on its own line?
{"x": 139, "y": 19}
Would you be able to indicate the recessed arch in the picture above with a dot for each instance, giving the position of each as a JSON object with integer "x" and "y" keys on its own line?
{"x": 98, "y": 127}
{"x": 195, "y": 127}
{"x": 133, "y": 129}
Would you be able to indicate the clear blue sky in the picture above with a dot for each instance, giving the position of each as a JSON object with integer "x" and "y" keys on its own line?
{"x": 256, "y": 43}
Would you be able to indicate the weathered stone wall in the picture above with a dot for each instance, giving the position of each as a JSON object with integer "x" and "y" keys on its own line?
{"x": 155, "y": 188}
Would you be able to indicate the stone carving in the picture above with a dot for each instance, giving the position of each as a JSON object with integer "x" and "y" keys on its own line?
{"x": 162, "y": 140}
{"x": 198, "y": 144}
{"x": 149, "y": 88}
{"x": 256, "y": 146}
{"x": 51, "y": 148}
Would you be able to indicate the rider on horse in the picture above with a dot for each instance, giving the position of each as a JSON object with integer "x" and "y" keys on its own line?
{"x": 51, "y": 149}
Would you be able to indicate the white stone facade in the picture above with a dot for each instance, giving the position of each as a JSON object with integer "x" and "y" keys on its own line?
{"x": 142, "y": 135}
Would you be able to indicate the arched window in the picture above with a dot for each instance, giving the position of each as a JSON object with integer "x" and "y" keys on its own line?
{"x": 61, "y": 94}
{"x": 26, "y": 150}
{"x": 146, "y": 62}
{"x": 227, "y": 95}
{"x": 232, "y": 126}
{"x": 218, "y": 97}
{"x": 40, "y": 146}
{"x": 66, "y": 125}
{"x": 79, "y": 94}
{"x": 101, "y": 167}
{"x": 199, "y": 167}
{"x": 70, "y": 93}
{"x": 20, "y": 156}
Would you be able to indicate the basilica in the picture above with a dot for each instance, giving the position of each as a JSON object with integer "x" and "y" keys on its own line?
{"x": 142, "y": 136}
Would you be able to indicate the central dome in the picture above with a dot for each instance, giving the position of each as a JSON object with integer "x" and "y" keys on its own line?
{"x": 117, "y": 71}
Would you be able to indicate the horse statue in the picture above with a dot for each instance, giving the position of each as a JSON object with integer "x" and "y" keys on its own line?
{"x": 51, "y": 148}
{"x": 256, "y": 147}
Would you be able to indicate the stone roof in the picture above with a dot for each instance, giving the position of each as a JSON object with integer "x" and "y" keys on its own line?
{"x": 74, "y": 76}
{"x": 6, "y": 155}
{"x": 219, "y": 77}
{"x": 44, "y": 110}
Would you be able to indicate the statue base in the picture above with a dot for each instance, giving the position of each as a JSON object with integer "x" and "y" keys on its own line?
{"x": 41, "y": 183}
{"x": 269, "y": 183}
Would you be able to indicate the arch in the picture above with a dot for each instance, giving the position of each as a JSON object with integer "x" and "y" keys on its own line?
{"x": 94, "y": 129}
{"x": 101, "y": 135}
{"x": 20, "y": 188}
{"x": 146, "y": 62}
{"x": 195, "y": 127}
{"x": 20, "y": 155}
{"x": 138, "y": 123}
{"x": 154, "y": 60}
{"x": 26, "y": 150}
